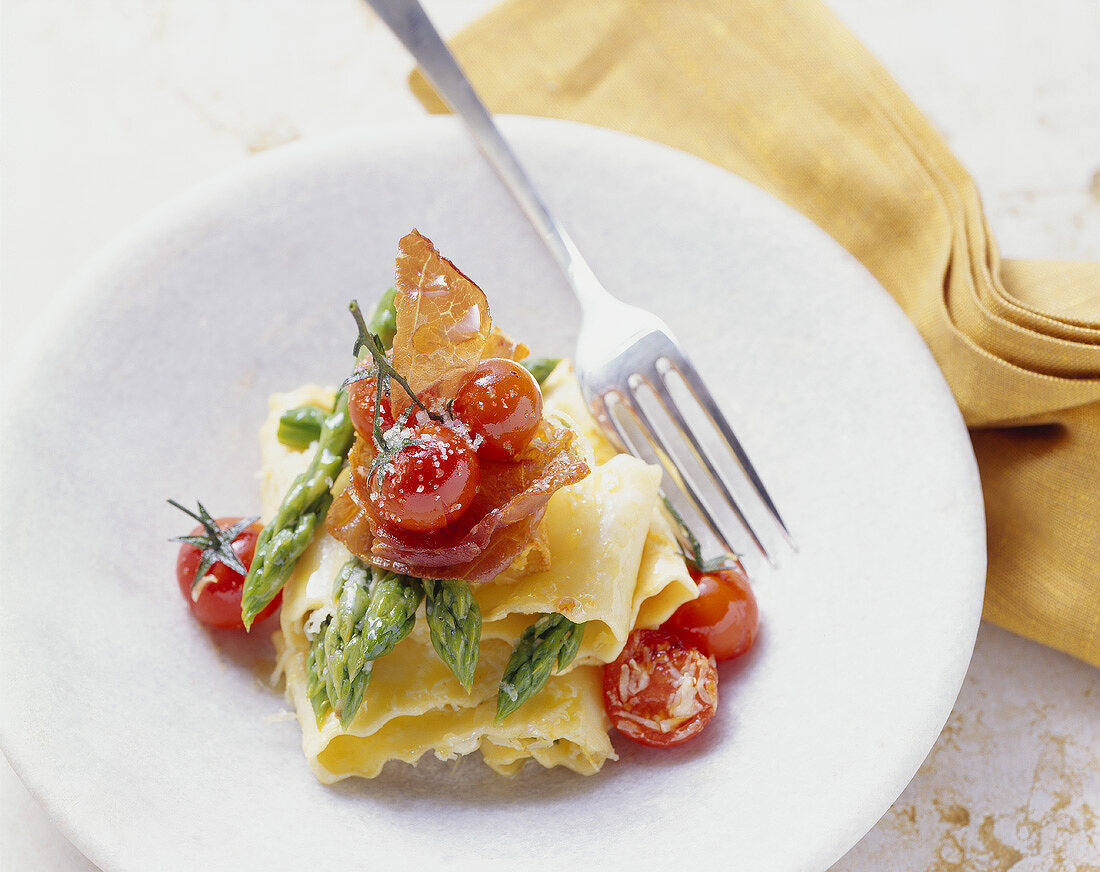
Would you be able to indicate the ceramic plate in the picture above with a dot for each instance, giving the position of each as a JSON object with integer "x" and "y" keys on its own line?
{"x": 157, "y": 744}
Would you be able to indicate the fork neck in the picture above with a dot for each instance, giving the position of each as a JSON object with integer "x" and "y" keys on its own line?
{"x": 589, "y": 291}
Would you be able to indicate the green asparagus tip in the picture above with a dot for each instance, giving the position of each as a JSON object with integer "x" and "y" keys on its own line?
{"x": 300, "y": 427}
{"x": 541, "y": 367}
{"x": 454, "y": 622}
{"x": 553, "y": 640}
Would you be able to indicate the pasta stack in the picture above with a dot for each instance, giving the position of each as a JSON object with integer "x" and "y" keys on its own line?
{"x": 604, "y": 554}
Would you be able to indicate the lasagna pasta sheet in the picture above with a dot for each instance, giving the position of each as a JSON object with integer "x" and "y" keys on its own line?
{"x": 613, "y": 562}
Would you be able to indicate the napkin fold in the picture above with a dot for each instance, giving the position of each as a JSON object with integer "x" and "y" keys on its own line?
{"x": 779, "y": 92}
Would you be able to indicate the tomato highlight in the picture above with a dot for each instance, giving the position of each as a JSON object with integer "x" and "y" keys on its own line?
{"x": 501, "y": 402}
{"x": 362, "y": 395}
{"x": 722, "y": 621}
{"x": 429, "y": 482}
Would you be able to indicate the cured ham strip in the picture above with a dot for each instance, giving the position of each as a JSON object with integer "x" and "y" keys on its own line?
{"x": 499, "y": 344}
{"x": 443, "y": 321}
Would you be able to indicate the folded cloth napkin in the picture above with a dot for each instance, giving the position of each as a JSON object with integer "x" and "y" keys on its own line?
{"x": 780, "y": 93}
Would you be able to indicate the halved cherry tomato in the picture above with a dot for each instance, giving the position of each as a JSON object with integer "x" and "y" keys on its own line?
{"x": 426, "y": 485}
{"x": 722, "y": 621}
{"x": 660, "y": 691}
{"x": 219, "y": 601}
{"x": 361, "y": 398}
{"x": 500, "y": 401}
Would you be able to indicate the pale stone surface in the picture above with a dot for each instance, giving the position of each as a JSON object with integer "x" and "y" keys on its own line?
{"x": 1014, "y": 779}
{"x": 112, "y": 107}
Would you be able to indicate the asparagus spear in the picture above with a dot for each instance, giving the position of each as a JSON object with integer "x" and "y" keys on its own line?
{"x": 454, "y": 620}
{"x": 383, "y": 322}
{"x": 301, "y": 426}
{"x": 315, "y": 685}
{"x": 541, "y": 367}
{"x": 305, "y": 505}
{"x": 303, "y": 509}
{"x": 552, "y": 640}
{"x": 375, "y": 609}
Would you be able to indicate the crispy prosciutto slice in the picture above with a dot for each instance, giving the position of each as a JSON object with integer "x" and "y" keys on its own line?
{"x": 443, "y": 321}
{"x": 443, "y": 331}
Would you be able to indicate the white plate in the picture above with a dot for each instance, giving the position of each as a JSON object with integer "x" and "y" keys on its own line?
{"x": 150, "y": 739}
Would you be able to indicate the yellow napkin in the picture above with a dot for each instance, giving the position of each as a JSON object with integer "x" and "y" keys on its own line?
{"x": 779, "y": 92}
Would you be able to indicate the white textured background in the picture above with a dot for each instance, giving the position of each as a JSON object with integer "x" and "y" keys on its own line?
{"x": 111, "y": 107}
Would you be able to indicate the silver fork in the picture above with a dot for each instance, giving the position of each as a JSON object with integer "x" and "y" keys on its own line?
{"x": 622, "y": 351}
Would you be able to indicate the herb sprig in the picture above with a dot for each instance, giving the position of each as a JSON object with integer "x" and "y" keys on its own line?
{"x": 381, "y": 371}
{"x": 215, "y": 542}
{"x": 382, "y": 367}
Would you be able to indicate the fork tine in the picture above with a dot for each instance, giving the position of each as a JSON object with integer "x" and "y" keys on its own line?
{"x": 694, "y": 383}
{"x": 672, "y": 473}
{"x": 668, "y": 403}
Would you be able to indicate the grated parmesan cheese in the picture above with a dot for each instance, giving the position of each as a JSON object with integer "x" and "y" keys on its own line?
{"x": 316, "y": 618}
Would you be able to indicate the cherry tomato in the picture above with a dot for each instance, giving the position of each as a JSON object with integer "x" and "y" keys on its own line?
{"x": 500, "y": 401}
{"x": 660, "y": 691}
{"x": 361, "y": 399}
{"x": 426, "y": 485}
{"x": 722, "y": 621}
{"x": 219, "y": 601}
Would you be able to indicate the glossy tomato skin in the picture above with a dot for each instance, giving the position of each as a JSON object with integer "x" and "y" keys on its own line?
{"x": 219, "y": 602}
{"x": 429, "y": 484}
{"x": 499, "y": 401}
{"x": 361, "y": 398}
{"x": 723, "y": 620}
{"x": 660, "y": 691}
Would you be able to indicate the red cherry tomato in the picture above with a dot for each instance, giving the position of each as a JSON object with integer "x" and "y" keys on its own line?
{"x": 427, "y": 485}
{"x": 361, "y": 399}
{"x": 660, "y": 691}
{"x": 500, "y": 401}
{"x": 722, "y": 621}
{"x": 219, "y": 601}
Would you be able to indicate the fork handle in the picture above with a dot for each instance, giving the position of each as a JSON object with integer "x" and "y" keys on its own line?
{"x": 411, "y": 25}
